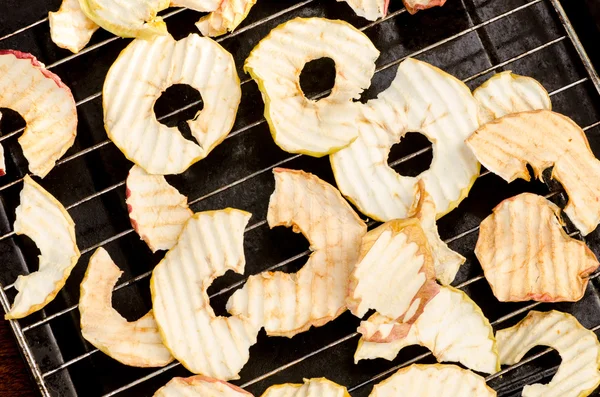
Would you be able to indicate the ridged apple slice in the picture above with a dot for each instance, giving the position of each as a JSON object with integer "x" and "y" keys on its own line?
{"x": 46, "y": 104}
{"x": 434, "y": 380}
{"x": 157, "y": 210}
{"x": 137, "y": 343}
{"x": 287, "y": 304}
{"x": 526, "y": 255}
{"x": 369, "y": 9}
{"x": 578, "y": 374}
{"x": 70, "y": 28}
{"x": 543, "y": 139}
{"x": 320, "y": 387}
{"x": 452, "y": 326}
{"x": 200, "y": 386}
{"x": 225, "y": 18}
{"x": 43, "y": 219}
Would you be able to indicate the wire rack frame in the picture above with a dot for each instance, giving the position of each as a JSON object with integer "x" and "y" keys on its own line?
{"x": 19, "y": 331}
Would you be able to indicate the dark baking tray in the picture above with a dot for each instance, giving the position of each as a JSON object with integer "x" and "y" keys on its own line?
{"x": 468, "y": 38}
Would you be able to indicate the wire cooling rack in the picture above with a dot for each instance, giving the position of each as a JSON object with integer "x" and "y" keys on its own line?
{"x": 471, "y": 39}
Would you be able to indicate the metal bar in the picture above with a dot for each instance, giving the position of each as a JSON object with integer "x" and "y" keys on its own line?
{"x": 16, "y": 32}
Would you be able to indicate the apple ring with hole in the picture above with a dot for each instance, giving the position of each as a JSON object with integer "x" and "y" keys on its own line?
{"x": 424, "y": 99}
{"x": 299, "y": 124}
{"x": 145, "y": 69}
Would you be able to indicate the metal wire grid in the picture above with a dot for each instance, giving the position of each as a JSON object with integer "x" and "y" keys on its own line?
{"x": 19, "y": 330}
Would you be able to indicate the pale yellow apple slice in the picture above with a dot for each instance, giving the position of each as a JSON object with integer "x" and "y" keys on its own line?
{"x": 526, "y": 255}
{"x": 70, "y": 28}
{"x": 319, "y": 387}
{"x": 210, "y": 244}
{"x": 225, "y": 18}
{"x": 452, "y": 326}
{"x": 200, "y": 386}
{"x": 287, "y": 304}
{"x": 45, "y": 103}
{"x": 578, "y": 374}
{"x": 423, "y": 99}
{"x": 137, "y": 343}
{"x": 544, "y": 139}
{"x": 43, "y": 219}
{"x": 299, "y": 124}
{"x": 434, "y": 380}
{"x": 369, "y": 9}
{"x": 157, "y": 210}
{"x": 130, "y": 93}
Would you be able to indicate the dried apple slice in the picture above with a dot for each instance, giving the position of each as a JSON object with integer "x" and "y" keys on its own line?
{"x": 157, "y": 210}
{"x": 506, "y": 93}
{"x": 394, "y": 273}
{"x": 225, "y": 18}
{"x": 446, "y": 262}
{"x": 128, "y": 18}
{"x": 200, "y": 386}
{"x": 311, "y": 387}
{"x": 577, "y": 375}
{"x": 137, "y": 343}
{"x": 299, "y": 124}
{"x": 287, "y": 304}
{"x": 434, "y": 380}
{"x": 369, "y": 9}
{"x": 46, "y": 104}
{"x": 43, "y": 219}
{"x": 413, "y": 6}
{"x": 130, "y": 93}
{"x": 2, "y": 161}
{"x": 424, "y": 99}
{"x": 70, "y": 28}
{"x": 210, "y": 244}
{"x": 452, "y": 326}
{"x": 526, "y": 255}
{"x": 542, "y": 139}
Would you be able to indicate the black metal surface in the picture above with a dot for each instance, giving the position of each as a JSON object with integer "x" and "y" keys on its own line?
{"x": 243, "y": 162}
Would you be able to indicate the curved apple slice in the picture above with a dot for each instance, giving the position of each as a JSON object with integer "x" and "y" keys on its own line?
{"x": 526, "y": 255}
{"x": 398, "y": 253}
{"x": 577, "y": 375}
{"x": 506, "y": 93}
{"x": 434, "y": 380}
{"x": 312, "y": 387}
{"x": 369, "y": 9}
{"x": 210, "y": 244}
{"x": 452, "y": 326}
{"x": 157, "y": 210}
{"x": 200, "y": 386}
{"x": 137, "y": 343}
{"x": 70, "y": 28}
{"x": 130, "y": 93}
{"x": 46, "y": 104}
{"x": 543, "y": 138}
{"x": 421, "y": 98}
{"x": 127, "y": 18}
{"x": 225, "y": 18}
{"x": 43, "y": 219}
{"x": 413, "y": 6}
{"x": 299, "y": 124}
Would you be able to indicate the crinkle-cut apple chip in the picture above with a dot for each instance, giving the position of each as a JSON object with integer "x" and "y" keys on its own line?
{"x": 369, "y": 9}
{"x": 130, "y": 93}
{"x": 128, "y": 18}
{"x": 157, "y": 210}
{"x": 435, "y": 380}
{"x": 394, "y": 274}
{"x": 424, "y": 99}
{"x": 45, "y": 103}
{"x": 287, "y": 304}
{"x": 526, "y": 254}
{"x": 299, "y": 124}
{"x": 200, "y": 386}
{"x": 210, "y": 244}
{"x": 70, "y": 28}
{"x": 544, "y": 139}
{"x": 137, "y": 343}
{"x": 452, "y": 326}
{"x": 42, "y": 218}
{"x": 577, "y": 375}
{"x": 446, "y": 261}
{"x": 506, "y": 93}
{"x": 320, "y": 387}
